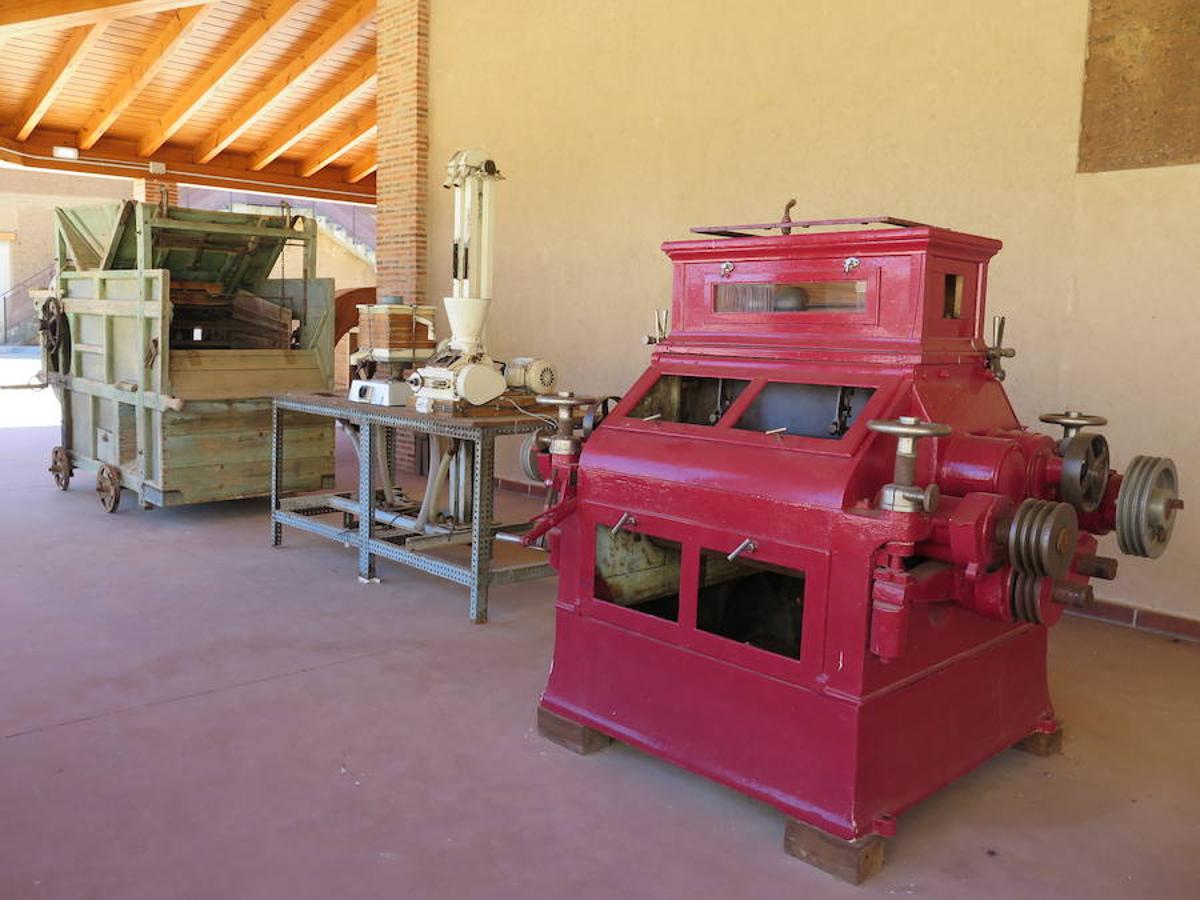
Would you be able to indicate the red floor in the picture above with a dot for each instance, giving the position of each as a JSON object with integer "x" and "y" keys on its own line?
{"x": 188, "y": 713}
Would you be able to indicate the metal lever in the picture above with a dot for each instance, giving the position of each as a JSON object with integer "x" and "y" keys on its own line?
{"x": 662, "y": 322}
{"x": 997, "y": 351}
{"x": 626, "y": 519}
{"x": 746, "y": 546}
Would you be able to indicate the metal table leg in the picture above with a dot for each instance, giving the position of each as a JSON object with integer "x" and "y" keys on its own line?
{"x": 366, "y": 502}
{"x": 276, "y": 472}
{"x": 481, "y": 527}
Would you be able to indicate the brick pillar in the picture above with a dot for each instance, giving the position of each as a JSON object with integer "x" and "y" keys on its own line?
{"x": 401, "y": 181}
{"x": 403, "y": 135}
{"x": 150, "y": 190}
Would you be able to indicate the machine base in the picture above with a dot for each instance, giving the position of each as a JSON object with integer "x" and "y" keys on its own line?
{"x": 570, "y": 734}
{"x": 1043, "y": 743}
{"x": 852, "y": 861}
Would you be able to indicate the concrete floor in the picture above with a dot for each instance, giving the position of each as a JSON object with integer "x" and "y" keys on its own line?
{"x": 187, "y": 713}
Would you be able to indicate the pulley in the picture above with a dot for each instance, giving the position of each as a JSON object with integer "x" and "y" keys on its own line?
{"x": 1146, "y": 506}
{"x": 1042, "y": 538}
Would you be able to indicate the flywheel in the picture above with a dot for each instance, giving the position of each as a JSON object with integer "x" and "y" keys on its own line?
{"x": 1146, "y": 506}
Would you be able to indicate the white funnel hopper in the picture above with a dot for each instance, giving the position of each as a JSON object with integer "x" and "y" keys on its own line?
{"x": 467, "y": 317}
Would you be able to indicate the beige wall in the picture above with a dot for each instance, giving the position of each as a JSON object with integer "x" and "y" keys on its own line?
{"x": 27, "y": 201}
{"x": 620, "y": 124}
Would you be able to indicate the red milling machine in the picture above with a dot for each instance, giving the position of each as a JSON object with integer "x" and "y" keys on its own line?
{"x": 812, "y": 554}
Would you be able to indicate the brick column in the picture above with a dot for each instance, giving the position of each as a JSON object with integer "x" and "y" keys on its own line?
{"x": 150, "y": 190}
{"x": 402, "y": 46}
{"x": 403, "y": 135}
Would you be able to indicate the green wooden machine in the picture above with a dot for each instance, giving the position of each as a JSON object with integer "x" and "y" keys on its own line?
{"x": 164, "y": 336}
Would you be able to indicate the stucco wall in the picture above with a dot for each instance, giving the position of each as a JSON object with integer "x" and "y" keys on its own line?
{"x": 620, "y": 124}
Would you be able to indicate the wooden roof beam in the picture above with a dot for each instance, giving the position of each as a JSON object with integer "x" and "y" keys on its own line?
{"x": 350, "y": 137}
{"x": 347, "y": 25}
{"x": 57, "y": 74}
{"x": 343, "y": 91}
{"x": 364, "y": 167}
{"x": 201, "y": 91}
{"x": 176, "y": 30}
{"x": 55, "y": 15}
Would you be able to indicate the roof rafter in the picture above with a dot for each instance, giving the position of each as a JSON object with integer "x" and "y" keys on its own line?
{"x": 114, "y": 156}
{"x": 343, "y": 91}
{"x": 57, "y": 74}
{"x": 202, "y": 90}
{"x": 347, "y": 139}
{"x": 55, "y": 15}
{"x": 347, "y": 25}
{"x": 364, "y": 167}
{"x": 176, "y": 30}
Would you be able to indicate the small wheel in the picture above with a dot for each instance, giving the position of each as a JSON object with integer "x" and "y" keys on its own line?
{"x": 60, "y": 467}
{"x": 108, "y": 486}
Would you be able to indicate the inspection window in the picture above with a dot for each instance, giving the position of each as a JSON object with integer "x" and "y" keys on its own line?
{"x": 688, "y": 399}
{"x": 797, "y": 297}
{"x": 638, "y": 571}
{"x": 952, "y": 294}
{"x": 805, "y": 410}
{"x": 751, "y": 603}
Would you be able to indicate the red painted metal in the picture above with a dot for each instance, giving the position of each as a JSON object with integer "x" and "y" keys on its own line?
{"x": 912, "y": 669}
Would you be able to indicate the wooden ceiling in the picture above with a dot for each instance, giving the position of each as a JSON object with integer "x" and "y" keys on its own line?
{"x": 254, "y": 95}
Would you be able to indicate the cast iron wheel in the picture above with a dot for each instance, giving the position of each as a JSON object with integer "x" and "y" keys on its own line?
{"x": 108, "y": 486}
{"x": 60, "y": 467}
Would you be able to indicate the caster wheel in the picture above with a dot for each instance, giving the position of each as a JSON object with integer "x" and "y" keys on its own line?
{"x": 60, "y": 467}
{"x": 108, "y": 486}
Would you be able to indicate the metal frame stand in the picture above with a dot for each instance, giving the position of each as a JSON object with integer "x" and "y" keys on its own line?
{"x": 386, "y": 533}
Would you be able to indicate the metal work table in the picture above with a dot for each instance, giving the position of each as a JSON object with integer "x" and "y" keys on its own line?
{"x": 373, "y": 535}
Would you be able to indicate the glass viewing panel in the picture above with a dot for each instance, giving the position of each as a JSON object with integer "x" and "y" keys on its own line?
{"x": 799, "y": 297}
{"x": 688, "y": 399}
{"x": 638, "y": 571}
{"x": 751, "y": 603}
{"x": 805, "y": 410}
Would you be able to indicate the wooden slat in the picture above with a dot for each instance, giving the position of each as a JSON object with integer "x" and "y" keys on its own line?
{"x": 61, "y": 68}
{"x": 330, "y": 40}
{"x": 364, "y": 167}
{"x": 271, "y": 19}
{"x": 357, "y": 131}
{"x": 178, "y": 28}
{"x": 344, "y": 90}
{"x": 55, "y": 15}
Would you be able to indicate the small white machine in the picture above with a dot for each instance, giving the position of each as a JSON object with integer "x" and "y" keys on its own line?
{"x": 381, "y": 392}
{"x": 461, "y": 370}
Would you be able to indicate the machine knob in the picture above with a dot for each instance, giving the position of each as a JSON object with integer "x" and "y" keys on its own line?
{"x": 902, "y": 495}
{"x": 564, "y": 442}
{"x": 1072, "y": 421}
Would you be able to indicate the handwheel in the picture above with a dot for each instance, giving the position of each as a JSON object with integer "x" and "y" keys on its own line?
{"x": 108, "y": 486}
{"x": 60, "y": 467}
{"x": 1072, "y": 421}
{"x": 909, "y": 427}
